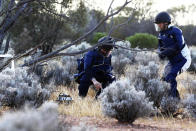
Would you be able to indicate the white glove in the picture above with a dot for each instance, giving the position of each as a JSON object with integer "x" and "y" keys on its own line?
{"x": 96, "y": 84}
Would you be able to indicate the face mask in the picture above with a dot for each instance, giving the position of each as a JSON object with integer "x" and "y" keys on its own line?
{"x": 157, "y": 28}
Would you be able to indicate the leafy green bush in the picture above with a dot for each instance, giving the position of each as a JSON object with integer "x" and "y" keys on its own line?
{"x": 143, "y": 40}
{"x": 97, "y": 36}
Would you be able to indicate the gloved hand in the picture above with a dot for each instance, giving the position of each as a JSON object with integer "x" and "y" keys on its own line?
{"x": 97, "y": 84}
{"x": 161, "y": 56}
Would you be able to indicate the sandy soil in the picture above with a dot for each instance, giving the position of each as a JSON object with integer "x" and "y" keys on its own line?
{"x": 108, "y": 124}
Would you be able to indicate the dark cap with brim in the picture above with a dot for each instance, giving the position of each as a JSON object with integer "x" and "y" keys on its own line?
{"x": 107, "y": 43}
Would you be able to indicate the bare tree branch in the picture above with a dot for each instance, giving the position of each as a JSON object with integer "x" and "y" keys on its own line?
{"x": 7, "y": 45}
{"x": 83, "y": 51}
{"x": 31, "y": 51}
{"x": 55, "y": 53}
{"x": 110, "y": 7}
{"x": 112, "y": 23}
{"x": 21, "y": 56}
{"x": 6, "y": 64}
{"x": 2, "y": 36}
{"x": 10, "y": 5}
{"x": 56, "y": 14}
{"x": 19, "y": 4}
{"x": 10, "y": 21}
{"x": 120, "y": 9}
{"x": 122, "y": 24}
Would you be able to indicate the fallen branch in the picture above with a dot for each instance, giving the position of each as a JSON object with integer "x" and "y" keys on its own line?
{"x": 55, "y": 53}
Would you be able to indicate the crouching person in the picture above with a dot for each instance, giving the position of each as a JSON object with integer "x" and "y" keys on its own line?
{"x": 173, "y": 47}
{"x": 97, "y": 68}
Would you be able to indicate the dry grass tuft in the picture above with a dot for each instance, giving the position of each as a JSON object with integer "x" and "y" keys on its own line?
{"x": 184, "y": 82}
{"x": 87, "y": 106}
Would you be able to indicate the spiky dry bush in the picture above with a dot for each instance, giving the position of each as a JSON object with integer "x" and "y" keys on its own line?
{"x": 156, "y": 90}
{"x": 147, "y": 72}
{"x": 146, "y": 78}
{"x": 193, "y": 62}
{"x": 190, "y": 105}
{"x": 20, "y": 87}
{"x": 82, "y": 46}
{"x": 45, "y": 118}
{"x": 120, "y": 100}
{"x": 28, "y": 119}
{"x": 68, "y": 64}
{"x": 169, "y": 105}
{"x": 143, "y": 57}
{"x": 122, "y": 58}
{"x": 60, "y": 71}
{"x": 53, "y": 72}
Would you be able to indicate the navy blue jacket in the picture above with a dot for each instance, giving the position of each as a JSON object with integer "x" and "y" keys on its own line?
{"x": 171, "y": 42}
{"x": 96, "y": 63}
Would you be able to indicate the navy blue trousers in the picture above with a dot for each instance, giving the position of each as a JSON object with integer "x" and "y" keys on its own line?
{"x": 170, "y": 73}
{"x": 85, "y": 83}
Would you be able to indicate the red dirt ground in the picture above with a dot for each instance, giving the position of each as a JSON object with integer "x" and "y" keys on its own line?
{"x": 108, "y": 124}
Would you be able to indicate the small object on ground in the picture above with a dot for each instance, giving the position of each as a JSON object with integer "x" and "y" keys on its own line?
{"x": 63, "y": 98}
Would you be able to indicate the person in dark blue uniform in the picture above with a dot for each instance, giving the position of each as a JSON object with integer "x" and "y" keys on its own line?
{"x": 172, "y": 46}
{"x": 97, "y": 67}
